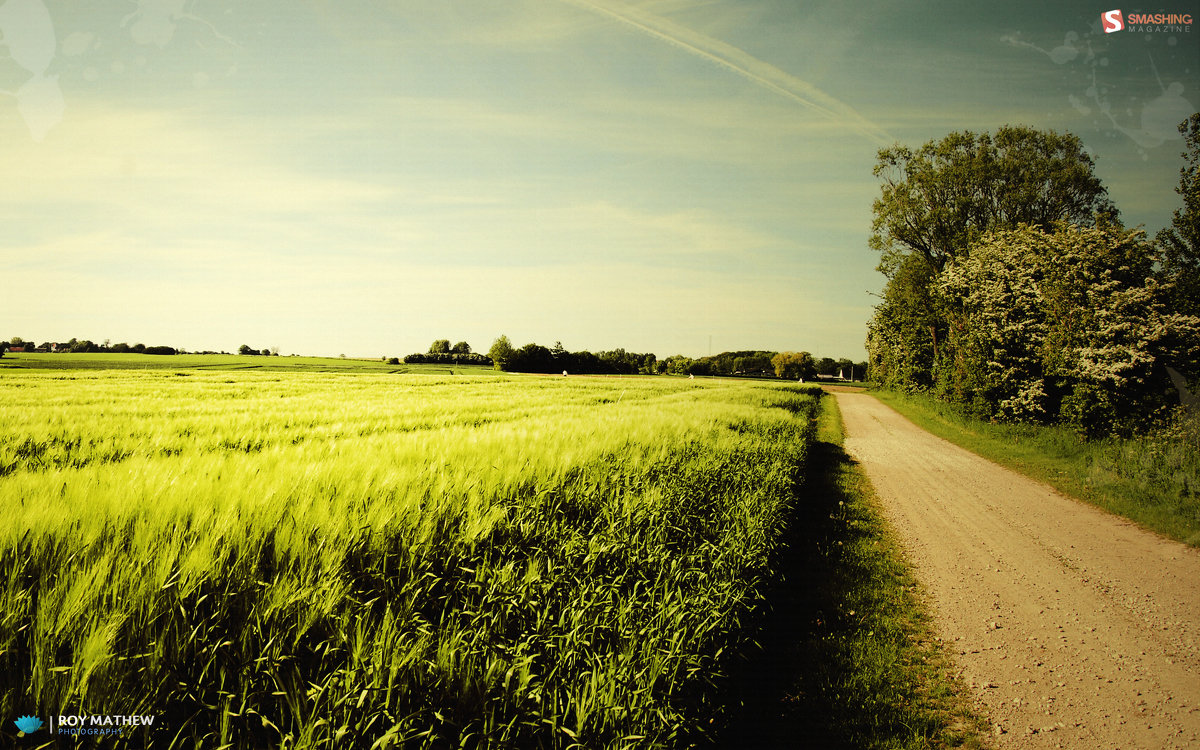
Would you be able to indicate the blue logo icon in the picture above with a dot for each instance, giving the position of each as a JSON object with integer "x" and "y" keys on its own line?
{"x": 28, "y": 724}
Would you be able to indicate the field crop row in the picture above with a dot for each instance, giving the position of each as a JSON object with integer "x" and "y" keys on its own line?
{"x": 308, "y": 560}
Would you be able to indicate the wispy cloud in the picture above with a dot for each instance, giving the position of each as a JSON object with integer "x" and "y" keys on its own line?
{"x": 739, "y": 61}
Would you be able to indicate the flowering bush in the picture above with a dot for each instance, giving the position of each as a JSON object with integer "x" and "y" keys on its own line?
{"x": 1068, "y": 325}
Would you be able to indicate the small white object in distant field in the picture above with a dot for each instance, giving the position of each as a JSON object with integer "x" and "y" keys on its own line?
{"x": 564, "y": 373}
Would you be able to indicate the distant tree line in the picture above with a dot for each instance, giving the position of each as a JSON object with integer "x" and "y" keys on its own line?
{"x": 751, "y": 363}
{"x": 442, "y": 353}
{"x": 534, "y": 358}
{"x": 764, "y": 364}
{"x": 1014, "y": 290}
{"x": 447, "y": 359}
{"x": 75, "y": 346}
{"x": 246, "y": 349}
{"x": 538, "y": 358}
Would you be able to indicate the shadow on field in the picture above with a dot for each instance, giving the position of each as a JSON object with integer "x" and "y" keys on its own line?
{"x": 788, "y": 693}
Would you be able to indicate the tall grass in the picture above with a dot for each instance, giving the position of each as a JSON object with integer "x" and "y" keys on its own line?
{"x": 372, "y": 561}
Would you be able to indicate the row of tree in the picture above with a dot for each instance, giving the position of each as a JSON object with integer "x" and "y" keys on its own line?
{"x": 85, "y": 347}
{"x": 537, "y": 358}
{"x": 441, "y": 358}
{"x": 787, "y": 365}
{"x": 247, "y": 350}
{"x": 1014, "y": 290}
{"x": 442, "y": 346}
{"x": 442, "y": 353}
{"x": 790, "y": 365}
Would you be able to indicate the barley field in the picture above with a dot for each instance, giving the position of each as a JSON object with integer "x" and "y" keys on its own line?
{"x": 294, "y": 559}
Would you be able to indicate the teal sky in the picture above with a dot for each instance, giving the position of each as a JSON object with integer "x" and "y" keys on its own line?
{"x": 362, "y": 177}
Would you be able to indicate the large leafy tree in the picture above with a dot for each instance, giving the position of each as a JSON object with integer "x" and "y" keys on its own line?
{"x": 940, "y": 197}
{"x": 1180, "y": 242}
{"x": 793, "y": 365}
{"x": 501, "y": 353}
{"x": 935, "y": 201}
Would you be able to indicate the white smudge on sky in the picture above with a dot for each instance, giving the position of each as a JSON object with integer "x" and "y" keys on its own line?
{"x": 1148, "y": 118}
{"x": 28, "y": 33}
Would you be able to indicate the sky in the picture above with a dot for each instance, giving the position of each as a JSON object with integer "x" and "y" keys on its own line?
{"x": 362, "y": 177}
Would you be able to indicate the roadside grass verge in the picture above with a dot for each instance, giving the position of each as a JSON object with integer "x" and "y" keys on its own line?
{"x": 848, "y": 657}
{"x": 1152, "y": 480}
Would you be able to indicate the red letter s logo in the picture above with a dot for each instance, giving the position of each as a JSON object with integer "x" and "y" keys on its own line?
{"x": 1112, "y": 21}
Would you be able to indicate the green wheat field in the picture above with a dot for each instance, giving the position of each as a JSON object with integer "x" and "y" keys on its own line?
{"x": 372, "y": 559}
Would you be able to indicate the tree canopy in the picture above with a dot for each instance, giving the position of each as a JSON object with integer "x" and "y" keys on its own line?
{"x": 501, "y": 352}
{"x": 902, "y": 336}
{"x": 794, "y": 365}
{"x": 1180, "y": 242}
{"x": 1012, "y": 288}
{"x": 939, "y": 198}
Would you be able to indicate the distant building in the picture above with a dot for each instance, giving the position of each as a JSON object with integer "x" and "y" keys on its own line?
{"x": 832, "y": 378}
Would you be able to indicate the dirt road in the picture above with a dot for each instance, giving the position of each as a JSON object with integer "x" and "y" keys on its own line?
{"x": 1074, "y": 628}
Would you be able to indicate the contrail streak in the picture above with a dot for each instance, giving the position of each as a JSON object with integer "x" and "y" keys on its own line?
{"x": 731, "y": 58}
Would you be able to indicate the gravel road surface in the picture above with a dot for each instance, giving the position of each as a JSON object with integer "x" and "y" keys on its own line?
{"x": 1073, "y": 627}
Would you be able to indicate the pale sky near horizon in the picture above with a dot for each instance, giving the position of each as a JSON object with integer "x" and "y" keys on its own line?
{"x": 363, "y": 177}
